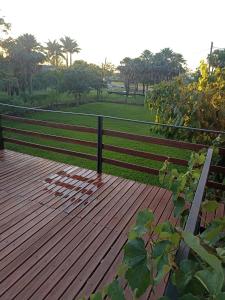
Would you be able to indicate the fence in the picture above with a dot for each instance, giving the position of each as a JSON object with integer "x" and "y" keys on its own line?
{"x": 100, "y": 146}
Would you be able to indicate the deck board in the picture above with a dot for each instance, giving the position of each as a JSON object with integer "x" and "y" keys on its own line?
{"x": 63, "y": 228}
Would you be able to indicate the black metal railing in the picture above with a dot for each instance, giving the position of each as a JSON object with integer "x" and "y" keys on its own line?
{"x": 100, "y": 146}
{"x": 193, "y": 221}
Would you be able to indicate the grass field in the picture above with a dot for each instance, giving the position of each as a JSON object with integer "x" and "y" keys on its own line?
{"x": 112, "y": 109}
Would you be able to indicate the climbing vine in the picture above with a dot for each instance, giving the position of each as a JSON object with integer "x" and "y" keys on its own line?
{"x": 147, "y": 261}
{"x": 198, "y": 104}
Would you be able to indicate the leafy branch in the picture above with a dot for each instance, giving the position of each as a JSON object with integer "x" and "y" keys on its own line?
{"x": 145, "y": 265}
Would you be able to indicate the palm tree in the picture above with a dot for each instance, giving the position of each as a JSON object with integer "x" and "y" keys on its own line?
{"x": 54, "y": 53}
{"x": 69, "y": 46}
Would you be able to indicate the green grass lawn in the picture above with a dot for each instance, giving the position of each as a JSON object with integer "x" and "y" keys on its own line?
{"x": 112, "y": 109}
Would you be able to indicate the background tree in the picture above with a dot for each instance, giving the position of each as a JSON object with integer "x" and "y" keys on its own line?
{"x": 151, "y": 68}
{"x": 23, "y": 55}
{"x": 126, "y": 69}
{"x": 107, "y": 70}
{"x": 81, "y": 78}
{"x": 217, "y": 59}
{"x": 69, "y": 47}
{"x": 4, "y": 26}
{"x": 198, "y": 104}
{"x": 54, "y": 53}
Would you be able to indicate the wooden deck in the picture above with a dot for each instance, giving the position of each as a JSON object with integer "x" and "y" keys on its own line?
{"x": 63, "y": 228}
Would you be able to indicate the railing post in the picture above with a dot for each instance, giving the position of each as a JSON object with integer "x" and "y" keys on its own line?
{"x": 99, "y": 151}
{"x": 1, "y": 134}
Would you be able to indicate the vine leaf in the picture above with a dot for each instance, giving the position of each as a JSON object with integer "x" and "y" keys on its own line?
{"x": 194, "y": 243}
{"x": 135, "y": 257}
{"x": 179, "y": 206}
{"x": 221, "y": 296}
{"x": 211, "y": 280}
{"x": 210, "y": 206}
{"x": 139, "y": 278}
{"x": 221, "y": 253}
{"x": 114, "y": 291}
{"x": 135, "y": 252}
{"x": 189, "y": 296}
{"x": 214, "y": 232}
{"x": 184, "y": 274}
{"x": 143, "y": 224}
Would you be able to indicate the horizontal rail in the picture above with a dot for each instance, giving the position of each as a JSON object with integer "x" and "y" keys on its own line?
{"x": 50, "y": 137}
{"x": 217, "y": 169}
{"x": 126, "y": 165}
{"x": 154, "y": 140}
{"x": 113, "y": 133}
{"x": 192, "y": 221}
{"x": 216, "y": 185}
{"x": 136, "y": 153}
{"x": 51, "y": 124}
{"x": 115, "y": 118}
{"x": 143, "y": 154}
{"x": 49, "y": 148}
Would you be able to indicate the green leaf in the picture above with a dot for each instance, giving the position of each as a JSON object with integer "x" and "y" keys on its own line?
{"x": 164, "y": 298}
{"x": 210, "y": 206}
{"x": 135, "y": 252}
{"x": 179, "y": 206}
{"x": 184, "y": 274}
{"x": 215, "y": 231}
{"x": 196, "y": 174}
{"x": 201, "y": 159}
{"x": 163, "y": 267}
{"x": 194, "y": 243}
{"x": 139, "y": 278}
{"x": 189, "y": 296}
{"x": 221, "y": 296}
{"x": 97, "y": 296}
{"x": 114, "y": 291}
{"x": 221, "y": 253}
{"x": 161, "y": 248}
{"x": 164, "y": 227}
{"x": 122, "y": 270}
{"x": 143, "y": 224}
{"x": 183, "y": 217}
{"x": 211, "y": 280}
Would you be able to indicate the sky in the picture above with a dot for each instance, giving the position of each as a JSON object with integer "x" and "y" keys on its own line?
{"x": 115, "y": 29}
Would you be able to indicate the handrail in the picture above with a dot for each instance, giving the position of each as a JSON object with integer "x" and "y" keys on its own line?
{"x": 192, "y": 223}
{"x": 116, "y": 118}
{"x": 100, "y": 146}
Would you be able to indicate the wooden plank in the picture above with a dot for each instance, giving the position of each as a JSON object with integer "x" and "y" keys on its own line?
{"x": 50, "y": 124}
{"x": 36, "y": 241}
{"x": 64, "y": 240}
{"x": 105, "y": 272}
{"x": 131, "y": 166}
{"x": 143, "y": 154}
{"x": 53, "y": 149}
{"x": 73, "y": 242}
{"x": 47, "y": 212}
{"x": 104, "y": 238}
{"x": 51, "y": 137}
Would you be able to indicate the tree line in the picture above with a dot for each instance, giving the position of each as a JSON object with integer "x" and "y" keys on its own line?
{"x": 150, "y": 68}
{"x": 25, "y": 64}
